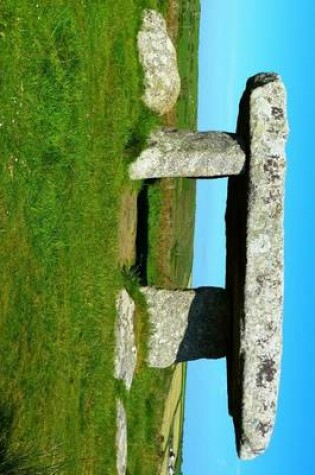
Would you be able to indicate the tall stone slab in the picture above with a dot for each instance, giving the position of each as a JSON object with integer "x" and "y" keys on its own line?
{"x": 255, "y": 265}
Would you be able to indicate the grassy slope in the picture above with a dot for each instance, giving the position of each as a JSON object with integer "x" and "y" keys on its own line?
{"x": 69, "y": 92}
{"x": 187, "y": 51}
{"x": 70, "y": 109}
{"x": 172, "y": 203}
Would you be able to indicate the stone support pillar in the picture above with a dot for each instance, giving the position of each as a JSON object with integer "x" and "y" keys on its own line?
{"x": 182, "y": 153}
{"x": 186, "y": 324}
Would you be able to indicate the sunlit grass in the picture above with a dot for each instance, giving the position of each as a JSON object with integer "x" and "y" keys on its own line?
{"x": 71, "y": 120}
{"x": 70, "y": 92}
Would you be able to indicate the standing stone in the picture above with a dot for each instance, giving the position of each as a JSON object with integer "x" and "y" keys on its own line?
{"x": 186, "y": 324}
{"x": 126, "y": 352}
{"x": 184, "y": 153}
{"x": 158, "y": 58}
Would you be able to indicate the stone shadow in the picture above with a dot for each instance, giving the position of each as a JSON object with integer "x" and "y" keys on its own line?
{"x": 142, "y": 236}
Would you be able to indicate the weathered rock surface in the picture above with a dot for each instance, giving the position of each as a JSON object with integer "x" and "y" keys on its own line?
{"x": 186, "y": 324}
{"x": 121, "y": 438}
{"x": 255, "y": 265}
{"x": 184, "y": 153}
{"x": 158, "y": 58}
{"x": 126, "y": 352}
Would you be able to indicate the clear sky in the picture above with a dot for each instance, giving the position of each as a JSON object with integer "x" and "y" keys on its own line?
{"x": 239, "y": 38}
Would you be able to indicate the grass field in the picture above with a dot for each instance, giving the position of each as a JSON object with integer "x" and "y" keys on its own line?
{"x": 170, "y": 256}
{"x": 187, "y": 51}
{"x": 70, "y": 91}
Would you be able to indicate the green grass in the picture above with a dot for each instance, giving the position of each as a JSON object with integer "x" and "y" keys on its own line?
{"x": 71, "y": 120}
{"x": 144, "y": 420}
{"x": 171, "y": 203}
{"x": 187, "y": 51}
{"x": 70, "y": 116}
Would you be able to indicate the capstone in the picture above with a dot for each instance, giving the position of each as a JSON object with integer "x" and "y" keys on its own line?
{"x": 255, "y": 265}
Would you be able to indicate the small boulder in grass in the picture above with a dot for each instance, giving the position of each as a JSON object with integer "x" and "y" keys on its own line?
{"x": 158, "y": 57}
{"x": 126, "y": 351}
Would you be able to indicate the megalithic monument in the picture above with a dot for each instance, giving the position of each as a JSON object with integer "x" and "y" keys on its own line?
{"x": 242, "y": 322}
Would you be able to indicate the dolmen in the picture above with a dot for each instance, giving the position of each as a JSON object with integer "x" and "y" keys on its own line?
{"x": 243, "y": 321}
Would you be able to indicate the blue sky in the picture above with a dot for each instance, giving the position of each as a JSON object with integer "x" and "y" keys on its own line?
{"x": 239, "y": 38}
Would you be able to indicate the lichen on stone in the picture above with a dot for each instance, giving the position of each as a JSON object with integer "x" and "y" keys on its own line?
{"x": 126, "y": 351}
{"x": 157, "y": 55}
{"x": 186, "y": 153}
{"x": 261, "y": 337}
